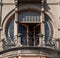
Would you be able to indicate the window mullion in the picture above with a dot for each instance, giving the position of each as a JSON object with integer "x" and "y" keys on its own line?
{"x": 27, "y": 36}
{"x": 41, "y": 39}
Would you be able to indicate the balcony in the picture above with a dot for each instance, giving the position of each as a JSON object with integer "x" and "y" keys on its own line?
{"x": 27, "y": 41}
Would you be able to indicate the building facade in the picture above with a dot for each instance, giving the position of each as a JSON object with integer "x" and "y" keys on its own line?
{"x": 29, "y": 29}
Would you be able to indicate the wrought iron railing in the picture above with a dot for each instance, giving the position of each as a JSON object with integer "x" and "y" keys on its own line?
{"x": 31, "y": 41}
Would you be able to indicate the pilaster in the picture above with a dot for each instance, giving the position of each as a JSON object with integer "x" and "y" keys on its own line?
{"x": 41, "y": 39}
{"x": 15, "y": 21}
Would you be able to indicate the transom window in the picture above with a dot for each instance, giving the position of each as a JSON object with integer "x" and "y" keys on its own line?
{"x": 29, "y": 16}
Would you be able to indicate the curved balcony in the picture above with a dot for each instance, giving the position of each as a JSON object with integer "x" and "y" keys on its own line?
{"x": 26, "y": 40}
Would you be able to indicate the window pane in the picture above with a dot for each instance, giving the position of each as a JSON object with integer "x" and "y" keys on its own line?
{"x": 48, "y": 28}
{"x": 22, "y": 31}
{"x": 11, "y": 29}
{"x": 29, "y": 16}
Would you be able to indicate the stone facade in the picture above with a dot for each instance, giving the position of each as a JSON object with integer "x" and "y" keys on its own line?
{"x": 11, "y": 8}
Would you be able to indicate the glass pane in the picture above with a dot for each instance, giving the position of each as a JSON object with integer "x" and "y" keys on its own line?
{"x": 37, "y": 32}
{"x": 29, "y": 16}
{"x": 22, "y": 31}
{"x": 11, "y": 29}
{"x": 48, "y": 28}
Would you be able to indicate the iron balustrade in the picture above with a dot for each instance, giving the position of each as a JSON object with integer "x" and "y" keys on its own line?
{"x": 33, "y": 41}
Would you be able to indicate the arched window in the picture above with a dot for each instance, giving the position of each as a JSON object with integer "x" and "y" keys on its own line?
{"x": 10, "y": 29}
{"x": 29, "y": 27}
{"x": 48, "y": 28}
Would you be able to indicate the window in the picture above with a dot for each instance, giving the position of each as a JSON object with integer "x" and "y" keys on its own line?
{"x": 29, "y": 16}
{"x": 10, "y": 31}
{"x": 48, "y": 28}
{"x": 29, "y": 31}
{"x": 22, "y": 30}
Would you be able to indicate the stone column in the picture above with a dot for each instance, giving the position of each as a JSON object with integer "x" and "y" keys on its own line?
{"x": 1, "y": 32}
{"x": 41, "y": 39}
{"x": 16, "y": 24}
{"x": 16, "y": 19}
{"x": 1, "y": 43}
{"x": 27, "y": 36}
{"x": 42, "y": 28}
